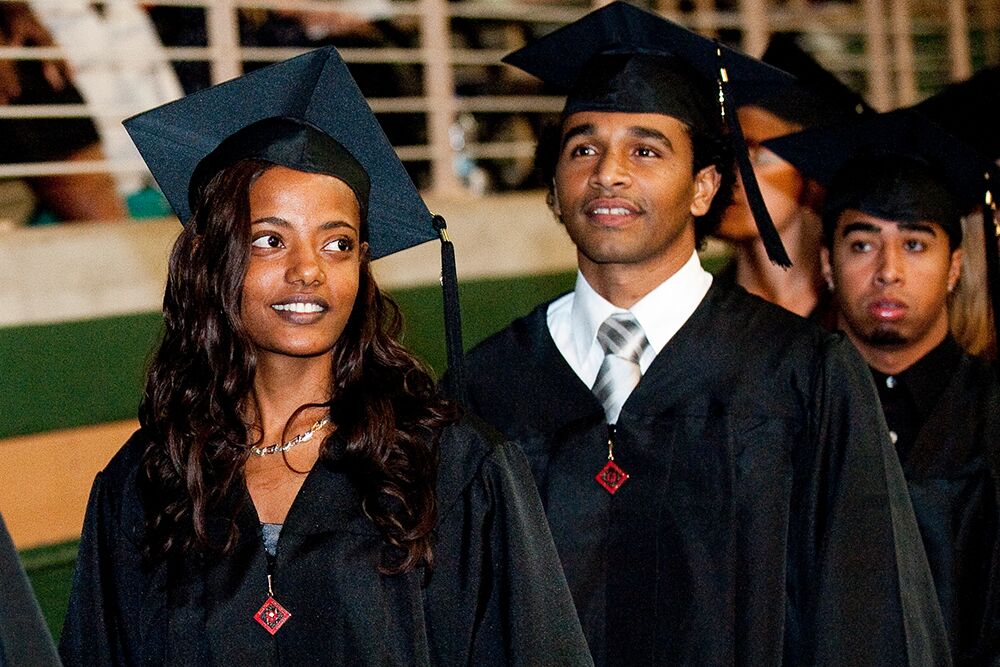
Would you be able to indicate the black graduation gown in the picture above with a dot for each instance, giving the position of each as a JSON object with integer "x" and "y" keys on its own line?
{"x": 766, "y": 520}
{"x": 952, "y": 470}
{"x": 24, "y": 638}
{"x": 497, "y": 594}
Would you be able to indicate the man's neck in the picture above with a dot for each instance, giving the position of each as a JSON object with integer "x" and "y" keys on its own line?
{"x": 625, "y": 284}
{"x": 796, "y": 288}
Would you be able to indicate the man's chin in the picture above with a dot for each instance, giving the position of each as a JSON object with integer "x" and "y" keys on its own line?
{"x": 886, "y": 336}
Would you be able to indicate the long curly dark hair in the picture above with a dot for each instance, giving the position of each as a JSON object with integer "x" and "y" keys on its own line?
{"x": 198, "y": 395}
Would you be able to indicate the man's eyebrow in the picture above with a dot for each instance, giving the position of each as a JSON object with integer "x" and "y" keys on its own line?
{"x": 575, "y": 131}
{"x": 918, "y": 227}
{"x": 860, "y": 227}
{"x": 642, "y": 132}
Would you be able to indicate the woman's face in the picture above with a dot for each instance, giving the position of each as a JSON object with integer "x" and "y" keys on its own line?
{"x": 304, "y": 267}
{"x": 781, "y": 186}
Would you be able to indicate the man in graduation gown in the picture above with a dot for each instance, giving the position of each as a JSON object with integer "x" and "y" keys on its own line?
{"x": 746, "y": 506}
{"x": 892, "y": 255}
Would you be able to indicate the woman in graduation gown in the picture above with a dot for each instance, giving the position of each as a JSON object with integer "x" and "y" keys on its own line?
{"x": 297, "y": 493}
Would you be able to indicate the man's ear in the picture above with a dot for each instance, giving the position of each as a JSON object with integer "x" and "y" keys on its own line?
{"x": 955, "y": 270}
{"x": 706, "y": 184}
{"x": 826, "y": 268}
{"x": 552, "y": 199}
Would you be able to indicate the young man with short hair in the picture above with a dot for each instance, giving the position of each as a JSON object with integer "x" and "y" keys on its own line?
{"x": 891, "y": 256}
{"x": 716, "y": 473}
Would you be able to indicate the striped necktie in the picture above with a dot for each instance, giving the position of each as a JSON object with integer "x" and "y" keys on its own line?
{"x": 623, "y": 341}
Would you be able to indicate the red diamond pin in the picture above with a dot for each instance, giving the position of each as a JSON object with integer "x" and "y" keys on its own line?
{"x": 272, "y": 615}
{"x": 611, "y": 477}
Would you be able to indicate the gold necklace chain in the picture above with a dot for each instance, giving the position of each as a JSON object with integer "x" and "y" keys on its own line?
{"x": 300, "y": 438}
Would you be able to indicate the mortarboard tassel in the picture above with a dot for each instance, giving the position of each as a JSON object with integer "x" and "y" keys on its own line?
{"x": 991, "y": 236}
{"x": 452, "y": 313}
{"x": 765, "y": 226}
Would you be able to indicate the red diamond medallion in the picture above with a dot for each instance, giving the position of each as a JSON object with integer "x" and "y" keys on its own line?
{"x": 272, "y": 615}
{"x": 611, "y": 477}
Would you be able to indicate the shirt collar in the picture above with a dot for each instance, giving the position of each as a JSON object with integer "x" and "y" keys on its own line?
{"x": 661, "y": 312}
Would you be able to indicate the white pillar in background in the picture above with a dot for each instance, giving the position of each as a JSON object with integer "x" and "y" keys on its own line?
{"x": 989, "y": 18}
{"x": 879, "y": 66}
{"x": 439, "y": 90}
{"x": 959, "y": 53}
{"x": 902, "y": 40}
{"x": 702, "y": 22}
{"x": 753, "y": 16}
{"x": 223, "y": 28}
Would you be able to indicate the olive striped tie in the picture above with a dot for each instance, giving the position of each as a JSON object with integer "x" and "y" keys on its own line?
{"x": 623, "y": 341}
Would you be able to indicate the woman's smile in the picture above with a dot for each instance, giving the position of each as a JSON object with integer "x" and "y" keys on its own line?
{"x": 302, "y": 309}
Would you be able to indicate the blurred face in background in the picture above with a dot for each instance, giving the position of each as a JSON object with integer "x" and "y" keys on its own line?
{"x": 781, "y": 186}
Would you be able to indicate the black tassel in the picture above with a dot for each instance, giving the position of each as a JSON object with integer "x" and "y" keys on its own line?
{"x": 452, "y": 313}
{"x": 990, "y": 238}
{"x": 765, "y": 226}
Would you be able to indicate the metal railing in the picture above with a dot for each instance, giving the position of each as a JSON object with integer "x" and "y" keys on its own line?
{"x": 882, "y": 42}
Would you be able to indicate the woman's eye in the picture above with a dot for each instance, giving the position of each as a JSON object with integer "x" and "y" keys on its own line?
{"x": 339, "y": 245}
{"x": 266, "y": 241}
{"x": 583, "y": 150}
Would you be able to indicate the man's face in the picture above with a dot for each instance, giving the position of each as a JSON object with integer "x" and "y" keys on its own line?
{"x": 891, "y": 281}
{"x": 781, "y": 186}
{"x": 625, "y": 188}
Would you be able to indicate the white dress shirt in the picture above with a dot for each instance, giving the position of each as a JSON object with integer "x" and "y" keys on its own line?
{"x": 573, "y": 319}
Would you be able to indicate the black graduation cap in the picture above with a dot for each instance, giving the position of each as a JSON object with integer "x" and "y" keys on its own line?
{"x": 316, "y": 88}
{"x": 821, "y": 152}
{"x": 815, "y": 97}
{"x": 968, "y": 109}
{"x": 306, "y": 113}
{"x": 622, "y": 58}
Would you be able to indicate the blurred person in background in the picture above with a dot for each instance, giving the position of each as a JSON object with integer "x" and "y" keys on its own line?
{"x": 970, "y": 313}
{"x": 968, "y": 110}
{"x": 766, "y": 112}
{"x": 366, "y": 24}
{"x": 26, "y": 82}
